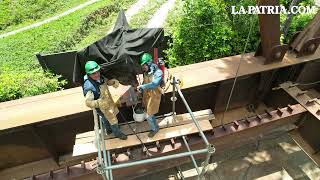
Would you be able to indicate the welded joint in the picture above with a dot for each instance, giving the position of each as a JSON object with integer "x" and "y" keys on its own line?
{"x": 279, "y": 112}
{"x": 173, "y": 143}
{"x": 158, "y": 145}
{"x": 67, "y": 170}
{"x": 259, "y": 117}
{"x": 146, "y": 152}
{"x": 289, "y": 108}
{"x": 235, "y": 124}
{"x": 212, "y": 131}
{"x": 311, "y": 101}
{"x": 269, "y": 113}
{"x": 224, "y": 127}
{"x": 114, "y": 158}
{"x": 83, "y": 165}
{"x": 293, "y": 85}
{"x": 50, "y": 174}
{"x": 128, "y": 153}
{"x": 248, "y": 120}
{"x": 301, "y": 93}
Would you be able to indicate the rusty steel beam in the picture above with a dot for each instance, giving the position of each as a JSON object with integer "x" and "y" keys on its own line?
{"x": 301, "y": 97}
{"x": 306, "y": 42}
{"x": 309, "y": 128}
{"x": 46, "y": 145}
{"x": 224, "y": 139}
{"x": 270, "y": 47}
{"x": 200, "y": 90}
{"x": 232, "y": 135}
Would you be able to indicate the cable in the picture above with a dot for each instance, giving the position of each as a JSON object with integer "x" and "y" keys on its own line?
{"x": 236, "y": 77}
{"x": 134, "y": 132}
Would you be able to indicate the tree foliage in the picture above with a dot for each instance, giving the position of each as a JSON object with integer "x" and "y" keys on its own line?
{"x": 206, "y": 29}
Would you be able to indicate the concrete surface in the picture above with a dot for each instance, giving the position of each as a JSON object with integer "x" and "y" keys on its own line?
{"x": 274, "y": 157}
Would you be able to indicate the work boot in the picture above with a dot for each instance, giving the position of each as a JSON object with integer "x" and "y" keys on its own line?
{"x": 152, "y": 133}
{"x": 153, "y": 124}
{"x": 116, "y": 131}
{"x": 106, "y": 124}
{"x": 108, "y": 130}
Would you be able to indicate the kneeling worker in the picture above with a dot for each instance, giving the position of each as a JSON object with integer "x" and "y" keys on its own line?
{"x": 151, "y": 90}
{"x": 97, "y": 95}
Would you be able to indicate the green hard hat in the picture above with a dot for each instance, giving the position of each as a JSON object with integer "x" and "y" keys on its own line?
{"x": 92, "y": 67}
{"x": 146, "y": 57}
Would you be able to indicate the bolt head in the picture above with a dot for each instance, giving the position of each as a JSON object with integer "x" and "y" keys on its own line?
{"x": 311, "y": 47}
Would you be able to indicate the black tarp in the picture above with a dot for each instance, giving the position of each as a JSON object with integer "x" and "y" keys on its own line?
{"x": 119, "y": 52}
{"x": 61, "y": 64}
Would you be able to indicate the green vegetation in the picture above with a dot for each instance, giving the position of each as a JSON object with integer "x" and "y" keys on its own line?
{"x": 18, "y": 13}
{"x": 141, "y": 19}
{"x": 21, "y": 74}
{"x": 173, "y": 15}
{"x": 207, "y": 30}
{"x": 204, "y": 30}
{"x": 85, "y": 34}
{"x": 298, "y": 23}
{"x": 101, "y": 26}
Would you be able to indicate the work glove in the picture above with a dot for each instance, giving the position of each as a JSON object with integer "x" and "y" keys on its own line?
{"x": 140, "y": 89}
{"x": 113, "y": 82}
{"x": 90, "y": 102}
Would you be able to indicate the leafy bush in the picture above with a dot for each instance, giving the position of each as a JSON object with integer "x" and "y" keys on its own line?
{"x": 208, "y": 30}
{"x": 299, "y": 22}
{"x": 241, "y": 26}
{"x": 15, "y": 85}
{"x": 202, "y": 32}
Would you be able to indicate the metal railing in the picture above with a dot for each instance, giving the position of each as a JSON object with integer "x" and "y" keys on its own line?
{"x": 105, "y": 166}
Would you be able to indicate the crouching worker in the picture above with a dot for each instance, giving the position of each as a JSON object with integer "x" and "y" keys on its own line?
{"x": 97, "y": 95}
{"x": 152, "y": 78}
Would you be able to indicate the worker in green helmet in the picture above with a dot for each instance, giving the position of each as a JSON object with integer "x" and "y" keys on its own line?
{"x": 97, "y": 95}
{"x": 152, "y": 78}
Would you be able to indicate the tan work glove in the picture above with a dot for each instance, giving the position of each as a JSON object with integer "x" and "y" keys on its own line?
{"x": 113, "y": 82}
{"x": 90, "y": 102}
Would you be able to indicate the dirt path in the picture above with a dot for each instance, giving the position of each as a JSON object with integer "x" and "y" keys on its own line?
{"x": 161, "y": 15}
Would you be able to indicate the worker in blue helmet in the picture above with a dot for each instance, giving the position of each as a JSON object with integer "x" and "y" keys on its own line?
{"x": 97, "y": 95}
{"x": 152, "y": 78}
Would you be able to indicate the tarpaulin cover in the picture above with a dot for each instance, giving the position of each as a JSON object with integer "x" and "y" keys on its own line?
{"x": 119, "y": 52}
